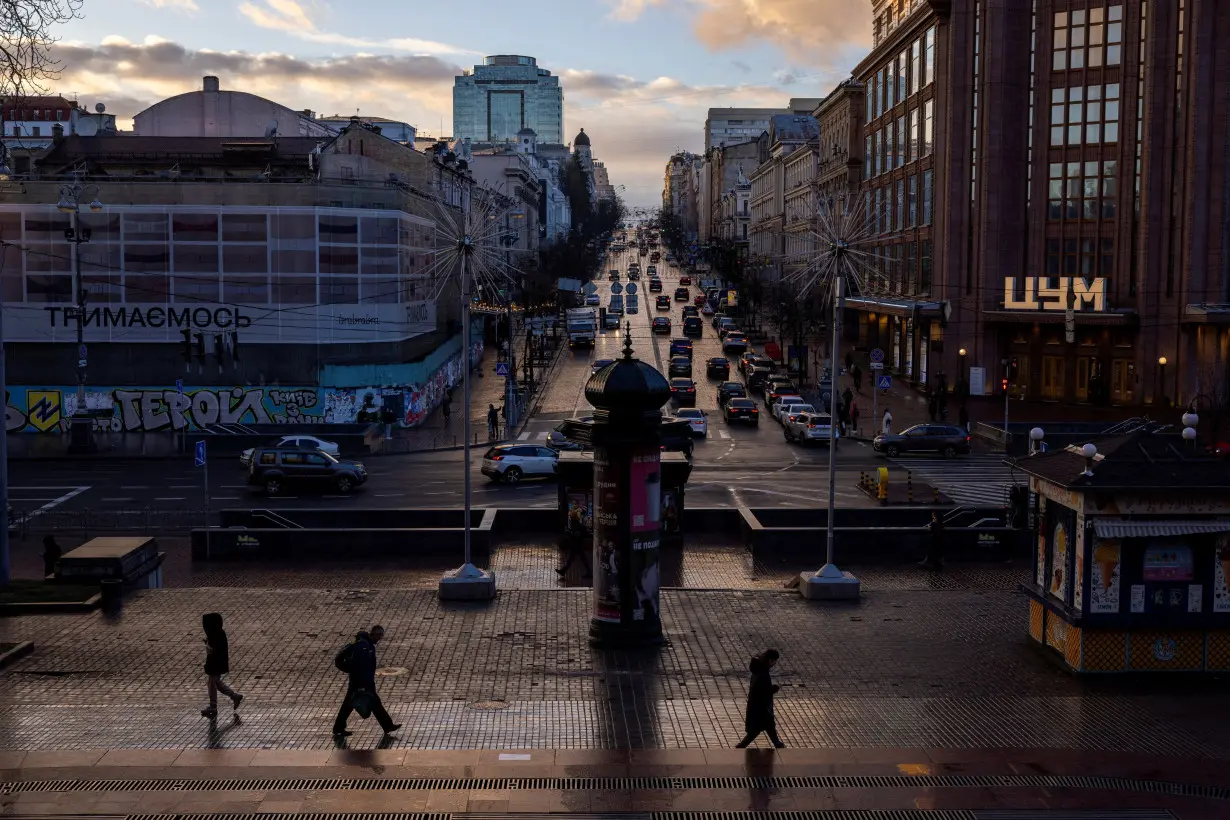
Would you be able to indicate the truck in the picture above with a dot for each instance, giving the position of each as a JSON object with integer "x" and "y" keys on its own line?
{"x": 582, "y": 326}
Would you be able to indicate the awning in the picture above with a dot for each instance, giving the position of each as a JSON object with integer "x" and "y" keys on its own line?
{"x": 1122, "y": 528}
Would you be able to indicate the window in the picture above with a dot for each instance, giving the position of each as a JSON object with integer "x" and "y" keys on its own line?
{"x": 915, "y": 66}
{"x": 876, "y": 156}
{"x": 880, "y": 83}
{"x": 901, "y": 150}
{"x": 879, "y": 223}
{"x": 292, "y": 458}
{"x": 244, "y": 228}
{"x": 36, "y": 131}
{"x": 891, "y": 98}
{"x": 1092, "y": 37}
{"x": 924, "y": 266}
{"x": 926, "y": 197}
{"x": 1086, "y": 190}
{"x": 1086, "y": 115}
{"x": 268, "y": 458}
{"x": 928, "y": 126}
{"x": 900, "y": 222}
{"x": 869, "y": 97}
{"x": 912, "y": 147}
{"x": 1052, "y": 258}
{"x": 867, "y": 155}
{"x": 903, "y": 65}
{"x": 929, "y": 64}
{"x": 890, "y": 152}
{"x": 195, "y": 228}
{"x": 913, "y": 209}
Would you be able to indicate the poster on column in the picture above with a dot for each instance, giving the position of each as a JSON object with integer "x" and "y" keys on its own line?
{"x": 645, "y": 483}
{"x": 608, "y": 500}
{"x": 1221, "y": 573}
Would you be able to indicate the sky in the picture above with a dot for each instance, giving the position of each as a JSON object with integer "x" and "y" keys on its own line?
{"x": 638, "y": 75}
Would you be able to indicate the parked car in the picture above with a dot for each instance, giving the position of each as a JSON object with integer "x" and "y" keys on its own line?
{"x": 756, "y": 379}
{"x": 945, "y": 439}
{"x": 681, "y": 294}
{"x": 512, "y": 462}
{"x": 738, "y": 409}
{"x": 734, "y": 344}
{"x": 809, "y": 427}
{"x": 276, "y": 468}
{"x": 698, "y": 419}
{"x": 680, "y": 366}
{"x": 747, "y": 361}
{"x": 718, "y": 368}
{"x": 729, "y": 390}
{"x": 301, "y": 442}
{"x": 788, "y": 407}
{"x": 655, "y": 286}
{"x": 674, "y": 441}
{"x": 771, "y": 397}
{"x": 728, "y": 329}
{"x": 683, "y": 392}
{"x": 716, "y": 321}
{"x": 692, "y": 326}
{"x": 775, "y": 380}
{"x": 558, "y": 439}
{"x": 601, "y": 363}
{"x": 680, "y": 347}
{"x": 662, "y": 324}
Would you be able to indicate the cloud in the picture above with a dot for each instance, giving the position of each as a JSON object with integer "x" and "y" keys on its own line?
{"x": 809, "y": 31}
{"x": 289, "y": 17}
{"x": 182, "y": 5}
{"x": 628, "y": 11}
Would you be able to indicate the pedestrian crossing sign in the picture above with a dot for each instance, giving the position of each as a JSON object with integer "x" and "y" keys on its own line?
{"x": 501, "y": 369}
{"x": 884, "y": 382}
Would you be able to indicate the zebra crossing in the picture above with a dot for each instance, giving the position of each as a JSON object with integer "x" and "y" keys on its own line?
{"x": 541, "y": 435}
{"x": 976, "y": 480}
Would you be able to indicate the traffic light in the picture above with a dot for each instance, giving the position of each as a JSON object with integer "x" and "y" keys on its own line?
{"x": 186, "y": 345}
{"x": 1003, "y": 384}
{"x": 1013, "y": 370}
{"x": 200, "y": 347}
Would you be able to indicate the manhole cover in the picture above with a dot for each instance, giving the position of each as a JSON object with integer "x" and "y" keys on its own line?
{"x": 491, "y": 705}
{"x": 391, "y": 671}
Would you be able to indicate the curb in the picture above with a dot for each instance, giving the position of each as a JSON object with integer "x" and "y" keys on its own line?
{"x": 48, "y": 608}
{"x": 16, "y": 653}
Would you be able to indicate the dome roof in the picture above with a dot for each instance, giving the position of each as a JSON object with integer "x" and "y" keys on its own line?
{"x": 628, "y": 385}
{"x": 527, "y": 132}
{"x": 581, "y": 138}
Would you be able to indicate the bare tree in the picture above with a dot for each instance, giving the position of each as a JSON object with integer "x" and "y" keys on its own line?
{"x": 26, "y": 41}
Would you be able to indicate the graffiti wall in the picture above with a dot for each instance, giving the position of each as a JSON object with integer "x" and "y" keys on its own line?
{"x": 152, "y": 409}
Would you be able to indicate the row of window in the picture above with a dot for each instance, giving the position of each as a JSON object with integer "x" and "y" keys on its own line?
{"x": 1086, "y": 115}
{"x": 902, "y": 205}
{"x": 1082, "y": 190}
{"x": 901, "y": 141}
{"x": 905, "y": 75}
{"x": 188, "y": 290}
{"x": 1088, "y": 37}
{"x": 902, "y": 269}
{"x": 36, "y": 114}
{"x": 1089, "y": 257}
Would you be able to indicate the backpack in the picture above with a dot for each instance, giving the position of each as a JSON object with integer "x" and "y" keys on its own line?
{"x": 345, "y": 658}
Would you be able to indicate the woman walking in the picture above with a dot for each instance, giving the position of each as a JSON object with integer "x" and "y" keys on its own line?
{"x": 217, "y": 663}
{"x": 759, "y": 717}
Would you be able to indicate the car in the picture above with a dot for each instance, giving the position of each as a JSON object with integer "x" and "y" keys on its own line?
{"x": 679, "y": 366}
{"x": 698, "y": 419}
{"x": 611, "y": 322}
{"x": 724, "y": 324}
{"x": 693, "y": 327}
{"x": 510, "y": 463}
{"x": 593, "y": 300}
{"x": 655, "y": 285}
{"x": 741, "y": 409}
{"x": 775, "y": 380}
{"x": 946, "y": 439}
{"x": 558, "y": 438}
{"x": 655, "y": 257}
{"x": 670, "y": 259}
{"x": 681, "y": 294}
{"x": 780, "y": 400}
{"x": 685, "y": 280}
{"x": 662, "y": 303}
{"x": 613, "y": 276}
{"x": 301, "y": 442}
{"x": 634, "y": 274}
{"x": 706, "y": 309}
{"x": 718, "y": 368}
{"x": 787, "y": 407}
{"x": 729, "y": 330}
{"x": 680, "y": 347}
{"x": 734, "y": 344}
{"x": 756, "y": 378}
{"x": 691, "y": 310}
{"x": 729, "y": 390}
{"x": 652, "y": 270}
{"x": 747, "y": 361}
{"x": 809, "y": 427}
{"x": 699, "y": 300}
{"x": 615, "y": 310}
{"x": 780, "y": 392}
{"x": 662, "y": 324}
{"x": 716, "y": 321}
{"x": 276, "y": 468}
{"x": 601, "y": 363}
{"x": 683, "y": 392}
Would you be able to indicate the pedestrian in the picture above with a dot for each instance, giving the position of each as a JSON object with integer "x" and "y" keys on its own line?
{"x": 932, "y": 407}
{"x": 854, "y": 416}
{"x": 935, "y": 541}
{"x": 358, "y": 661}
{"x": 759, "y": 716}
{"x": 217, "y": 663}
{"x": 576, "y": 541}
{"x": 963, "y": 418}
{"x": 493, "y": 421}
{"x": 446, "y": 407}
{"x": 942, "y": 400}
{"x": 857, "y": 375}
{"x": 848, "y": 397}
{"x": 849, "y": 360}
{"x": 51, "y": 555}
{"x": 886, "y": 423}
{"x": 843, "y": 416}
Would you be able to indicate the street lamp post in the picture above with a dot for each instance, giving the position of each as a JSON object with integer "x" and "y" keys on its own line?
{"x": 71, "y": 197}
{"x": 5, "y": 571}
{"x": 1161, "y": 379}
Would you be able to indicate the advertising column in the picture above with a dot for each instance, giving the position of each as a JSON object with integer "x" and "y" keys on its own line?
{"x": 627, "y": 526}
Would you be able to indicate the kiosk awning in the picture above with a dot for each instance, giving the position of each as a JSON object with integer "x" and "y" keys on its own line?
{"x": 1117, "y": 528}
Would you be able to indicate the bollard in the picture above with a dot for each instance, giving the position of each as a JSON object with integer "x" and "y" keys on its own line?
{"x": 112, "y": 595}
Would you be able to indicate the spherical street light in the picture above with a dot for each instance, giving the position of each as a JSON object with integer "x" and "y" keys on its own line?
{"x": 1089, "y": 450}
{"x": 1161, "y": 360}
{"x": 1036, "y": 434}
{"x": 1190, "y": 419}
{"x": 961, "y": 352}
{"x": 1189, "y": 433}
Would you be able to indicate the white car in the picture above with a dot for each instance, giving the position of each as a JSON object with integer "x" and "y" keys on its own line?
{"x": 698, "y": 420}
{"x": 306, "y": 442}
{"x": 783, "y": 410}
{"x": 784, "y": 401}
{"x": 809, "y": 427}
{"x": 512, "y": 462}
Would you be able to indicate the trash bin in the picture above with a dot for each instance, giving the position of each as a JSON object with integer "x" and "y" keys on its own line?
{"x": 112, "y": 595}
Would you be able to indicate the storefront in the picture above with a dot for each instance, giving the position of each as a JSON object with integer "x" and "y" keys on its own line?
{"x": 910, "y": 333}
{"x": 1132, "y": 558}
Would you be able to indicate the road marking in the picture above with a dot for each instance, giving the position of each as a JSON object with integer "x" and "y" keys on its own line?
{"x": 52, "y": 504}
{"x": 388, "y": 495}
{"x": 112, "y": 500}
{"x": 234, "y": 486}
{"x": 45, "y": 489}
{"x": 170, "y": 498}
{"x": 524, "y": 436}
{"x": 218, "y": 498}
{"x": 134, "y": 486}
{"x": 724, "y": 434}
{"x": 182, "y": 487}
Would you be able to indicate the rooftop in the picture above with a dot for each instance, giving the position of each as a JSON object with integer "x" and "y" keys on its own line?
{"x": 1139, "y": 461}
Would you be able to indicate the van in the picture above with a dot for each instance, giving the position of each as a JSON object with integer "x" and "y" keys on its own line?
{"x": 692, "y": 326}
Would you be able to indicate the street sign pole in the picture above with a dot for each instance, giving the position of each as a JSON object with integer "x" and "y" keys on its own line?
{"x": 203, "y": 462}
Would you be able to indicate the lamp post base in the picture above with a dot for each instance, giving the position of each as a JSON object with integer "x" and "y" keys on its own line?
{"x": 467, "y": 583}
{"x": 81, "y": 436}
{"x": 829, "y": 584}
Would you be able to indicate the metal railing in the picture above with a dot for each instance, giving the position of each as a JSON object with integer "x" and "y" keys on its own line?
{"x": 89, "y": 522}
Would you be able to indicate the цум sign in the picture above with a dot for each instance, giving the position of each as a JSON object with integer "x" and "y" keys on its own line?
{"x": 314, "y": 324}
{"x": 1039, "y": 295}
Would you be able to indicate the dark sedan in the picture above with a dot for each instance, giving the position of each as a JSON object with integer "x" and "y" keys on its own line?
{"x": 681, "y": 347}
{"x": 729, "y": 390}
{"x": 683, "y": 392}
{"x": 744, "y": 410}
{"x": 558, "y": 439}
{"x": 718, "y": 368}
{"x": 945, "y": 439}
{"x": 662, "y": 324}
{"x": 680, "y": 366}
{"x": 734, "y": 344}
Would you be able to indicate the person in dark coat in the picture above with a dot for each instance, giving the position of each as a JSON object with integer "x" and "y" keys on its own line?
{"x": 217, "y": 663}
{"x": 857, "y": 375}
{"x": 935, "y": 548}
{"x": 759, "y": 717}
{"x": 963, "y": 418}
{"x": 51, "y": 555}
{"x": 933, "y": 408}
{"x": 361, "y": 667}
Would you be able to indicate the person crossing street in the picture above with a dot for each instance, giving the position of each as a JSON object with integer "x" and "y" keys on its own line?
{"x": 358, "y": 661}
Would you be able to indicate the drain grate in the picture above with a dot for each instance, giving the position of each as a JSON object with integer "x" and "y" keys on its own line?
{"x": 834, "y": 814}
{"x": 625, "y": 784}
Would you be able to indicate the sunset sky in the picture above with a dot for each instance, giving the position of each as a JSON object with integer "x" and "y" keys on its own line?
{"x": 638, "y": 75}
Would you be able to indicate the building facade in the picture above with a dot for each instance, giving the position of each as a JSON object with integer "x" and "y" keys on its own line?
{"x": 782, "y": 201}
{"x": 840, "y": 159}
{"x": 729, "y": 166}
{"x": 508, "y": 92}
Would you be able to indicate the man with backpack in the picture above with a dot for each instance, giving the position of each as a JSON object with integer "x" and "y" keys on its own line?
{"x": 358, "y": 660}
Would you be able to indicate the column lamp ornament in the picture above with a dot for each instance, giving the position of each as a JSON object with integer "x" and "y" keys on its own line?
{"x": 628, "y": 396}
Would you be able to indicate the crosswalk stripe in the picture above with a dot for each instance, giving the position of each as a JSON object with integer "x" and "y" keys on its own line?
{"x": 723, "y": 434}
{"x": 980, "y": 480}
{"x": 524, "y": 436}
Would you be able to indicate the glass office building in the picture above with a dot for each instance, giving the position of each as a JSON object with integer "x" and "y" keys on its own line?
{"x": 506, "y": 93}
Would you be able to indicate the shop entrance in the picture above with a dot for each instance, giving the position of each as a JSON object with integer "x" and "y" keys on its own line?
{"x": 1122, "y": 381}
{"x": 1052, "y": 377}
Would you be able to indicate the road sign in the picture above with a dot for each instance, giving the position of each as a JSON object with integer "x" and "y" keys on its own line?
{"x": 631, "y": 289}
{"x": 501, "y": 369}
{"x": 617, "y": 288}
{"x": 81, "y": 351}
{"x": 877, "y": 365}
{"x": 200, "y": 453}
{"x": 884, "y": 382}
{"x": 179, "y": 386}
{"x": 877, "y": 355}
{"x": 590, "y": 288}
